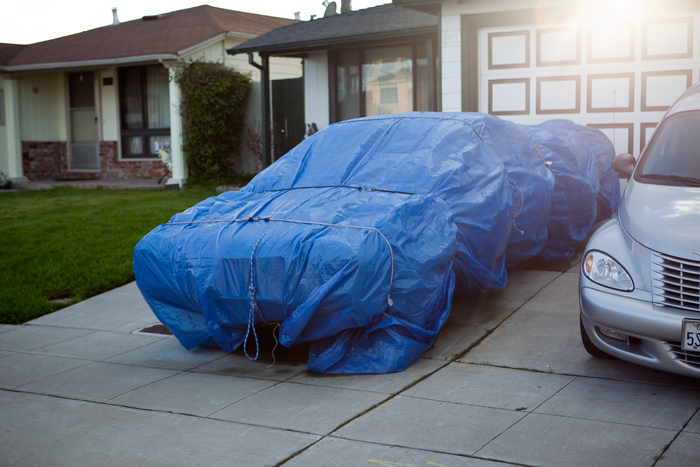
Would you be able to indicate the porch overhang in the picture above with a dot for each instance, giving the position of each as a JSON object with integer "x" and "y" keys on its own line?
{"x": 90, "y": 63}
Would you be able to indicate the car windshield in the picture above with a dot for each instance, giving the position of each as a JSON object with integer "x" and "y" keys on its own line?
{"x": 673, "y": 157}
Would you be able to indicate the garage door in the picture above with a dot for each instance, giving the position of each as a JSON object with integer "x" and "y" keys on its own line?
{"x": 619, "y": 77}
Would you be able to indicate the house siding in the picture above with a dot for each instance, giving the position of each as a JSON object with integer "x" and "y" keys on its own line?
{"x": 42, "y": 106}
{"x": 316, "y": 92}
{"x": 4, "y": 152}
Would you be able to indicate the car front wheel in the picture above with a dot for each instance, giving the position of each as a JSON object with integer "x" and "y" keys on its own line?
{"x": 589, "y": 345}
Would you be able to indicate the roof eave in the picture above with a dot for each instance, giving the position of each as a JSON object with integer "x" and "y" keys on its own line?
{"x": 328, "y": 42}
{"x": 92, "y": 63}
{"x": 166, "y": 57}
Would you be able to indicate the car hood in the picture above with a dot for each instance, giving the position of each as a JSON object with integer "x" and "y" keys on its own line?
{"x": 663, "y": 218}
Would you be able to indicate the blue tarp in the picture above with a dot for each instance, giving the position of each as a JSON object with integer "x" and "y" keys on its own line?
{"x": 357, "y": 238}
{"x": 586, "y": 188}
{"x": 530, "y": 181}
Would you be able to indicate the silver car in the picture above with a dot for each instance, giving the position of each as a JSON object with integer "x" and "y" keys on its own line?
{"x": 639, "y": 287}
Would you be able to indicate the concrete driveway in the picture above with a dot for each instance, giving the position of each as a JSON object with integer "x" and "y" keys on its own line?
{"x": 506, "y": 383}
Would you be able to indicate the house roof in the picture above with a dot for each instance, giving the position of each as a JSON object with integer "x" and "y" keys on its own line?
{"x": 384, "y": 21}
{"x": 151, "y": 37}
{"x": 7, "y": 51}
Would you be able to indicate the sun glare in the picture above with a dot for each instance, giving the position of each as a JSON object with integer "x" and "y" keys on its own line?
{"x": 600, "y": 11}
{"x": 613, "y": 10}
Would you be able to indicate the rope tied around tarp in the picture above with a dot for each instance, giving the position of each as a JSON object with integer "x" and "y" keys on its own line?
{"x": 254, "y": 308}
{"x": 324, "y": 224}
{"x": 518, "y": 202}
{"x": 353, "y": 187}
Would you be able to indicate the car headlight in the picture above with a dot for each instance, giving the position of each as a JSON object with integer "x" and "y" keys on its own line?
{"x": 603, "y": 270}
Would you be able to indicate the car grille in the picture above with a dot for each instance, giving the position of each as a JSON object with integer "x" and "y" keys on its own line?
{"x": 686, "y": 356}
{"x": 676, "y": 282}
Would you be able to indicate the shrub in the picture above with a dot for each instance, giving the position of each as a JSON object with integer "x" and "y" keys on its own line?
{"x": 5, "y": 182}
{"x": 213, "y": 108}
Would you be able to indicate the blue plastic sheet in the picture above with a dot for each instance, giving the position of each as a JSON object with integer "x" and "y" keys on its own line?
{"x": 577, "y": 184}
{"x": 356, "y": 240}
{"x": 351, "y": 241}
{"x": 530, "y": 181}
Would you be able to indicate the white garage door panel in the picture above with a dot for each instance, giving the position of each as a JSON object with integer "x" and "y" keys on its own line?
{"x": 668, "y": 38}
{"x": 619, "y": 77}
{"x": 560, "y": 46}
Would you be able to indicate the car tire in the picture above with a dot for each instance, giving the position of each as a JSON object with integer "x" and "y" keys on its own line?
{"x": 589, "y": 345}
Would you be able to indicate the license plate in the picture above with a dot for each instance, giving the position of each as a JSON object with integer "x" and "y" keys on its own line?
{"x": 691, "y": 335}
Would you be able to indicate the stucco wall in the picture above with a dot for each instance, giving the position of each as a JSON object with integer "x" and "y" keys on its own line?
{"x": 316, "y": 94}
{"x": 42, "y": 107}
{"x": 4, "y": 156}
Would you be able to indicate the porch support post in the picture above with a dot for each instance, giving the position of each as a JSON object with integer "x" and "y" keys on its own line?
{"x": 179, "y": 158}
{"x": 14, "y": 138}
{"x": 265, "y": 104}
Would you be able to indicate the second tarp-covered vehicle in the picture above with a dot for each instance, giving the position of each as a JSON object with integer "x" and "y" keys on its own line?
{"x": 354, "y": 241}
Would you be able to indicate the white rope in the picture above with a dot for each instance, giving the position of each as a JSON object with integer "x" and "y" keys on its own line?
{"x": 276, "y": 344}
{"x": 254, "y": 308}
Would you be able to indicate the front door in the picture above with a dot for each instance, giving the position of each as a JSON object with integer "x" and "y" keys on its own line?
{"x": 83, "y": 150}
{"x": 287, "y": 114}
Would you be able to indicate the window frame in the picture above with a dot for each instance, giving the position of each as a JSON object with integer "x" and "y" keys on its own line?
{"x": 431, "y": 53}
{"x": 144, "y": 133}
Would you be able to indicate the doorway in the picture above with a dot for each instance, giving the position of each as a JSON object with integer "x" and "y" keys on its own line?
{"x": 287, "y": 114}
{"x": 83, "y": 147}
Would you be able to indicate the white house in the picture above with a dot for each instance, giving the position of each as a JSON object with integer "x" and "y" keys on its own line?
{"x": 93, "y": 105}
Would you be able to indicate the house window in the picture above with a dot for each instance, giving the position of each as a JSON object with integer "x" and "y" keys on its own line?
{"x": 144, "y": 101}
{"x": 380, "y": 81}
{"x": 2, "y": 106}
{"x": 389, "y": 96}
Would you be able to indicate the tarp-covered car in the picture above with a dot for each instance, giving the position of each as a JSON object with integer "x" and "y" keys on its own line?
{"x": 354, "y": 241}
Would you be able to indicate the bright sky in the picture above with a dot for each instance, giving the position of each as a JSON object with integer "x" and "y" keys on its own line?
{"x": 30, "y": 21}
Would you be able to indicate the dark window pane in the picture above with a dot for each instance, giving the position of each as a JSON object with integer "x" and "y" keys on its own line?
{"x": 348, "y": 75}
{"x": 81, "y": 91}
{"x": 144, "y": 95}
{"x": 132, "y": 103}
{"x": 675, "y": 150}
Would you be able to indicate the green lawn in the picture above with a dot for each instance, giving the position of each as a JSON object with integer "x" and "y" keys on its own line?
{"x": 70, "y": 244}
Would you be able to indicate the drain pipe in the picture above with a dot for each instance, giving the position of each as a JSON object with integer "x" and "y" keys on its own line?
{"x": 265, "y": 103}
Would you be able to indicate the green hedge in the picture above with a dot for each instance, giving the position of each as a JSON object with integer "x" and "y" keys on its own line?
{"x": 213, "y": 108}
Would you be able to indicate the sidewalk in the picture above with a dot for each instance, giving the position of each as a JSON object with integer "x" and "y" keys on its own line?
{"x": 506, "y": 383}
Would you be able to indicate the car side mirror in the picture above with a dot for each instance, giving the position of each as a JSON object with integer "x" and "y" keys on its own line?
{"x": 624, "y": 165}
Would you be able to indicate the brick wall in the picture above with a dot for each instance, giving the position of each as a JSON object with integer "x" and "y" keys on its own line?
{"x": 49, "y": 161}
{"x": 43, "y": 160}
{"x": 112, "y": 167}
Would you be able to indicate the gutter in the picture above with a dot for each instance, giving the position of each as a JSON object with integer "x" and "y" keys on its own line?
{"x": 329, "y": 42}
{"x": 91, "y": 63}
